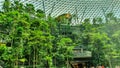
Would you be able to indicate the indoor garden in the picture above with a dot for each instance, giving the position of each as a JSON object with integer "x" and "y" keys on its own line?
{"x": 33, "y": 37}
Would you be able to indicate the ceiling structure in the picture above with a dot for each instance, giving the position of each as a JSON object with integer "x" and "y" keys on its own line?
{"x": 82, "y": 8}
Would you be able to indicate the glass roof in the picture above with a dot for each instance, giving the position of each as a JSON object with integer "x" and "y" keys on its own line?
{"x": 82, "y": 8}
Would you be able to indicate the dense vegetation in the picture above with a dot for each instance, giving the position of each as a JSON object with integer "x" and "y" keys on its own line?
{"x": 28, "y": 37}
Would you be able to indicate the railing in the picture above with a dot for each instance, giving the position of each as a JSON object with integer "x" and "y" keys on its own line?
{"x": 82, "y": 54}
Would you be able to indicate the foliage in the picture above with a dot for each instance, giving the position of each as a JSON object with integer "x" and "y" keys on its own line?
{"x": 28, "y": 37}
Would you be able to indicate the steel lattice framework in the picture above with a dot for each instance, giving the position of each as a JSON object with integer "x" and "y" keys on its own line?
{"x": 82, "y": 8}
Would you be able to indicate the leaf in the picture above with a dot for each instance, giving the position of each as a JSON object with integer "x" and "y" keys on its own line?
{"x": 23, "y": 60}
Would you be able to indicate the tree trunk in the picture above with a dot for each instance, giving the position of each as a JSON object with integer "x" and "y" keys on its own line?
{"x": 67, "y": 63}
{"x": 17, "y": 61}
{"x": 34, "y": 58}
{"x": 55, "y": 63}
{"x": 29, "y": 61}
{"x": 110, "y": 65}
{"x": 47, "y": 64}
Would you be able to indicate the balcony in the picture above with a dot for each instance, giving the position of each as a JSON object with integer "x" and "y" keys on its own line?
{"x": 80, "y": 53}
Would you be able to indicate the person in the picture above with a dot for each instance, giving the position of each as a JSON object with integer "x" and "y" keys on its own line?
{"x": 102, "y": 66}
